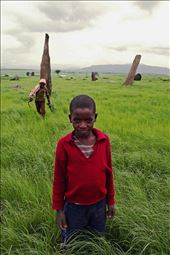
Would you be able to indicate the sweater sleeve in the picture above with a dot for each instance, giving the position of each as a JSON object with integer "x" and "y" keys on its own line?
{"x": 59, "y": 181}
{"x": 34, "y": 90}
{"x": 110, "y": 177}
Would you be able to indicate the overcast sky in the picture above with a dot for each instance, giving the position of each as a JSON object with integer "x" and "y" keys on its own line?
{"x": 84, "y": 33}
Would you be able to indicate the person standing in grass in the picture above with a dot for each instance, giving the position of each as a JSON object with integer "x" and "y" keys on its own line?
{"x": 40, "y": 91}
{"x": 83, "y": 187}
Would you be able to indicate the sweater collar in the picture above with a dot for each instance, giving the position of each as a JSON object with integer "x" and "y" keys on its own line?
{"x": 99, "y": 135}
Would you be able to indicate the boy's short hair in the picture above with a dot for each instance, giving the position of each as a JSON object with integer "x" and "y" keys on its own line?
{"x": 82, "y": 101}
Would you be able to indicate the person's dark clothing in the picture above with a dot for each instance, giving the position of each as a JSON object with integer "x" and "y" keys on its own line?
{"x": 84, "y": 217}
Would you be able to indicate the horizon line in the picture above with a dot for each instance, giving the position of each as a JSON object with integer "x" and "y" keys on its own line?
{"x": 72, "y": 67}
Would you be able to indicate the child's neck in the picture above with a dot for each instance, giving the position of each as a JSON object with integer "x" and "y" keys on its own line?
{"x": 87, "y": 140}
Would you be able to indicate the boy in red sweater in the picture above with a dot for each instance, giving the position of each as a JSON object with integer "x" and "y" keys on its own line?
{"x": 83, "y": 189}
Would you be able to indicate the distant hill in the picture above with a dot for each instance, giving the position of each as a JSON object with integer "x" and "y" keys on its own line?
{"x": 123, "y": 69}
{"x": 114, "y": 69}
{"x": 19, "y": 72}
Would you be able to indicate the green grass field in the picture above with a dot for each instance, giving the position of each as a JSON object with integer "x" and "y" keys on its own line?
{"x": 136, "y": 120}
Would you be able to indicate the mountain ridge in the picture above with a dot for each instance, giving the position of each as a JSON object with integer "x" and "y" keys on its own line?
{"x": 111, "y": 68}
{"x": 125, "y": 68}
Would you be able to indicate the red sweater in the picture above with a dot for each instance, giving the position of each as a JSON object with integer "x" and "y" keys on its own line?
{"x": 79, "y": 179}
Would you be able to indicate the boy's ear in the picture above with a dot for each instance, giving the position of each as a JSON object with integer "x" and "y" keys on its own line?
{"x": 69, "y": 117}
{"x": 96, "y": 116}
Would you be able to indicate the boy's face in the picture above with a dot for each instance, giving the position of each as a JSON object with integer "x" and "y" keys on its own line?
{"x": 42, "y": 85}
{"x": 83, "y": 120}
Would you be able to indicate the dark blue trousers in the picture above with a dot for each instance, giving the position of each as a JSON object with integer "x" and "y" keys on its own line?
{"x": 82, "y": 217}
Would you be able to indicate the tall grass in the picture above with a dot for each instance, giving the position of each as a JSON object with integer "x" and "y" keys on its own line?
{"x": 136, "y": 120}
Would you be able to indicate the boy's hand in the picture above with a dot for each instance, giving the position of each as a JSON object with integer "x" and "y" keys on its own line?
{"x": 30, "y": 99}
{"x": 111, "y": 211}
{"x": 61, "y": 220}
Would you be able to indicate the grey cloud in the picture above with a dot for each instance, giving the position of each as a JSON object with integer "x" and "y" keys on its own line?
{"x": 158, "y": 50}
{"x": 10, "y": 60}
{"x": 47, "y": 26}
{"x": 147, "y": 5}
{"x": 72, "y": 12}
{"x": 119, "y": 48}
{"x": 60, "y": 17}
{"x": 26, "y": 44}
{"x": 53, "y": 17}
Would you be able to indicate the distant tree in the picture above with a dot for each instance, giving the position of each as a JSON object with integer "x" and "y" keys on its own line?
{"x": 57, "y": 71}
{"x": 27, "y": 73}
{"x": 32, "y": 74}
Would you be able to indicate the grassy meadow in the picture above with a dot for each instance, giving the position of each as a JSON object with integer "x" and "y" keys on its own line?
{"x": 136, "y": 120}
